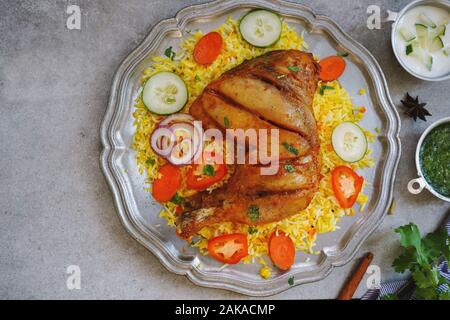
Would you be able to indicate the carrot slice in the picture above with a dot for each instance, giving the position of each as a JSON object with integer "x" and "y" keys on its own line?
{"x": 208, "y": 48}
{"x": 281, "y": 250}
{"x": 331, "y": 68}
{"x": 167, "y": 185}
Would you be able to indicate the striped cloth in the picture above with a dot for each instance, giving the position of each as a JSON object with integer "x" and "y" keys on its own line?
{"x": 407, "y": 286}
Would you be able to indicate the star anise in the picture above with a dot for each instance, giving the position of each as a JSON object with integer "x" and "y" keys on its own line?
{"x": 414, "y": 108}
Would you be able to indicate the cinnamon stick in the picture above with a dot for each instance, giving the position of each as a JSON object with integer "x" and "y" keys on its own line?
{"x": 352, "y": 284}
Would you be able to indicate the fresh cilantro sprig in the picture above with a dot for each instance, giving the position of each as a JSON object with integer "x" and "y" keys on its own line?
{"x": 208, "y": 170}
{"x": 290, "y": 148}
{"x": 169, "y": 53}
{"x": 323, "y": 88}
{"x": 253, "y": 212}
{"x": 421, "y": 257}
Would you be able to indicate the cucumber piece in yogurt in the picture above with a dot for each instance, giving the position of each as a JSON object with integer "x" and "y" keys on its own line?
{"x": 436, "y": 44}
{"x": 407, "y": 34}
{"x": 426, "y": 20}
{"x": 422, "y": 34}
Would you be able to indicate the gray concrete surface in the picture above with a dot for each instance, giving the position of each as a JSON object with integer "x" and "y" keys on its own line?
{"x": 55, "y": 206}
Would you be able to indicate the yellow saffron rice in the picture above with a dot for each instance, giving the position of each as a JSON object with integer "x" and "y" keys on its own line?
{"x": 330, "y": 109}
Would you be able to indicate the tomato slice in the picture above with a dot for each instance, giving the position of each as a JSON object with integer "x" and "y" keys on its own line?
{"x": 205, "y": 174}
{"x": 346, "y": 185}
{"x": 228, "y": 248}
{"x": 167, "y": 185}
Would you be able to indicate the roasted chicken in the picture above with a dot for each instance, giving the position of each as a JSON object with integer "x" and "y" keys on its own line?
{"x": 273, "y": 91}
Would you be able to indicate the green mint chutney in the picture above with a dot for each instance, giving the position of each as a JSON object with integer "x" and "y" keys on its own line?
{"x": 435, "y": 159}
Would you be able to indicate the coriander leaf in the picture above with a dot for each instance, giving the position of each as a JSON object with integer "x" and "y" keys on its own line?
{"x": 208, "y": 170}
{"x": 177, "y": 199}
{"x": 426, "y": 294}
{"x": 323, "y": 88}
{"x": 226, "y": 122}
{"x": 436, "y": 244}
{"x": 290, "y": 148}
{"x": 289, "y": 168}
{"x": 253, "y": 212}
{"x": 407, "y": 260}
{"x": 169, "y": 53}
{"x": 150, "y": 162}
{"x": 426, "y": 278}
{"x": 409, "y": 236}
{"x": 294, "y": 68}
{"x": 291, "y": 281}
{"x": 342, "y": 54}
{"x": 197, "y": 78}
{"x": 444, "y": 295}
{"x": 252, "y": 230}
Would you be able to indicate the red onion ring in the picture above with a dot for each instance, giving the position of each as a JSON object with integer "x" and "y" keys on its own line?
{"x": 192, "y": 140}
{"x": 176, "y": 118}
{"x": 162, "y": 141}
{"x": 165, "y": 142}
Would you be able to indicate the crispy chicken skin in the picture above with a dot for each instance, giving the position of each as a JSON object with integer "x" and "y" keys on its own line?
{"x": 262, "y": 93}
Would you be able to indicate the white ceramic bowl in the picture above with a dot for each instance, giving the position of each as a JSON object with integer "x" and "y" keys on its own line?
{"x": 416, "y": 186}
{"x": 398, "y": 17}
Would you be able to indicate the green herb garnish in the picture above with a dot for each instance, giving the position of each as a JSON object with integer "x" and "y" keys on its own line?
{"x": 226, "y": 122}
{"x": 253, "y": 212}
{"x": 252, "y": 230}
{"x": 208, "y": 170}
{"x": 294, "y": 68}
{"x": 421, "y": 257}
{"x": 323, "y": 88}
{"x": 290, "y": 148}
{"x": 289, "y": 168}
{"x": 150, "y": 162}
{"x": 342, "y": 54}
{"x": 197, "y": 78}
{"x": 177, "y": 199}
{"x": 169, "y": 53}
{"x": 291, "y": 281}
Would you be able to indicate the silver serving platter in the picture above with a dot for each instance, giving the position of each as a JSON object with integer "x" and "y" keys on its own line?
{"x": 140, "y": 214}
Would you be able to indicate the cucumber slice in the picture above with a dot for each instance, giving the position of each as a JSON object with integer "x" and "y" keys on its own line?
{"x": 260, "y": 28}
{"x": 440, "y": 31}
{"x": 349, "y": 141}
{"x": 436, "y": 44}
{"x": 422, "y": 34}
{"x": 446, "y": 51}
{"x": 165, "y": 93}
{"x": 426, "y": 20}
{"x": 407, "y": 34}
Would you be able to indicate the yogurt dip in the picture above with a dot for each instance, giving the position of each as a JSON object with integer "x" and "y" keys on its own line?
{"x": 422, "y": 40}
